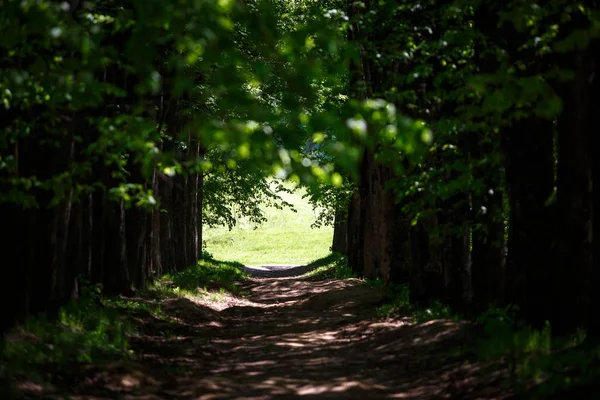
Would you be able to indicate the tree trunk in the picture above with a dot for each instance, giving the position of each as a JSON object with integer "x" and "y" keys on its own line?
{"x": 572, "y": 268}
{"x": 487, "y": 243}
{"x": 193, "y": 188}
{"x": 528, "y": 156}
{"x": 340, "y": 233}
{"x": 376, "y": 208}
{"x": 155, "y": 267}
{"x": 594, "y": 324}
{"x": 355, "y": 235}
{"x": 455, "y": 253}
{"x": 419, "y": 259}
{"x": 200, "y": 213}
{"x": 115, "y": 277}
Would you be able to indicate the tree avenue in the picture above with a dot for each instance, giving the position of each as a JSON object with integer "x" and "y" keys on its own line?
{"x": 452, "y": 143}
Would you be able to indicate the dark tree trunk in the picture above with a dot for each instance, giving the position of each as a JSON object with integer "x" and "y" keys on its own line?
{"x": 401, "y": 266}
{"x": 528, "y": 156}
{"x": 199, "y": 221}
{"x": 487, "y": 237}
{"x": 109, "y": 247}
{"x": 63, "y": 278}
{"x": 14, "y": 286}
{"x": 97, "y": 211}
{"x": 48, "y": 238}
{"x": 455, "y": 252}
{"x": 376, "y": 208}
{"x": 340, "y": 233}
{"x": 593, "y": 154}
{"x": 155, "y": 266}
{"x": 419, "y": 260}
{"x": 167, "y": 241}
{"x": 194, "y": 247}
{"x": 179, "y": 217}
{"x": 355, "y": 236}
{"x": 572, "y": 268}
{"x": 115, "y": 277}
{"x": 137, "y": 235}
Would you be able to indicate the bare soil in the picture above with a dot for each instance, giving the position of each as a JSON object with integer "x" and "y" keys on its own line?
{"x": 291, "y": 337}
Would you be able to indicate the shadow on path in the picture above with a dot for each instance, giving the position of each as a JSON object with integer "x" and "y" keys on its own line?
{"x": 290, "y": 338}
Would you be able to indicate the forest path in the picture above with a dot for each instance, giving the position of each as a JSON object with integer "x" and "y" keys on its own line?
{"x": 290, "y": 337}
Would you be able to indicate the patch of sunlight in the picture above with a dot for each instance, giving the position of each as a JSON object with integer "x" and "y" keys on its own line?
{"x": 289, "y": 344}
{"x": 130, "y": 382}
{"x": 389, "y": 324}
{"x": 310, "y": 337}
{"x": 216, "y": 300}
{"x": 254, "y": 364}
{"x": 416, "y": 393}
{"x": 325, "y": 388}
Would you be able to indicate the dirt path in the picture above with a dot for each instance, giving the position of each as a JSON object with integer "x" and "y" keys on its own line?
{"x": 291, "y": 337}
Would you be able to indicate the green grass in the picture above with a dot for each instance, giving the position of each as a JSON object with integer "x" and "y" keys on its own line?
{"x": 333, "y": 266}
{"x": 207, "y": 276}
{"x": 286, "y": 237}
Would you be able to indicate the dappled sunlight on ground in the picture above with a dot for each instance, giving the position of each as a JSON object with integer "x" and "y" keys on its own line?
{"x": 291, "y": 338}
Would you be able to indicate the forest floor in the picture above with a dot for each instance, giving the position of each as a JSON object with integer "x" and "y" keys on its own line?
{"x": 290, "y": 336}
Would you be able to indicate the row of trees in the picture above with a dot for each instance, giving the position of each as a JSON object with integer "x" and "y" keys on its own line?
{"x": 499, "y": 208}
{"x": 126, "y": 125}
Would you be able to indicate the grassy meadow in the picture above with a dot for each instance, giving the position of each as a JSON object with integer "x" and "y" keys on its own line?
{"x": 286, "y": 237}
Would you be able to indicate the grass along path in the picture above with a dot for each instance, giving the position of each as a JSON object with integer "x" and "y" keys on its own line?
{"x": 286, "y": 238}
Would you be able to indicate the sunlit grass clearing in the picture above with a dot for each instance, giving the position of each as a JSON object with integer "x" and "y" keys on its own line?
{"x": 286, "y": 237}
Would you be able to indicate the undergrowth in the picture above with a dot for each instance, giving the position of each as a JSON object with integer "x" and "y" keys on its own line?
{"x": 397, "y": 302}
{"x": 540, "y": 364}
{"x": 96, "y": 329}
{"x": 83, "y": 332}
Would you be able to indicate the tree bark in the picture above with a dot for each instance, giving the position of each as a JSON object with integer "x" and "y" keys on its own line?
{"x": 419, "y": 260}
{"x": 455, "y": 252}
{"x": 572, "y": 268}
{"x": 528, "y": 157}
{"x": 488, "y": 242}
{"x": 355, "y": 235}
{"x": 593, "y": 154}
{"x": 340, "y": 233}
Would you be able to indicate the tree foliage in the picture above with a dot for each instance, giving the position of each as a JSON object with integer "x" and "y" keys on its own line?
{"x": 451, "y": 143}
